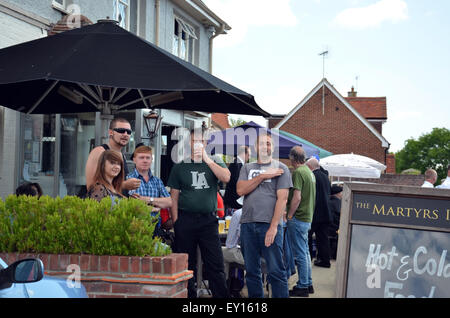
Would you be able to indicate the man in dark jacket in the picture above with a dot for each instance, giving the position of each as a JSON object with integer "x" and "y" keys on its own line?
{"x": 335, "y": 207}
{"x": 230, "y": 191}
{"x": 322, "y": 215}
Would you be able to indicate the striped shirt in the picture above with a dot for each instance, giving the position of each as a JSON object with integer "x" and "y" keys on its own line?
{"x": 154, "y": 188}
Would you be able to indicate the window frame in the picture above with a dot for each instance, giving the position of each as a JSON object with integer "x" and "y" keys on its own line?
{"x": 189, "y": 42}
{"x": 127, "y": 4}
{"x": 60, "y": 6}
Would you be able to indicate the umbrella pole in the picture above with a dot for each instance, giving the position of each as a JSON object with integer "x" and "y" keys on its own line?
{"x": 106, "y": 120}
{"x": 102, "y": 123}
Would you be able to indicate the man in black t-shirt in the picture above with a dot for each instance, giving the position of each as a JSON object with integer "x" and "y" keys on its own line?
{"x": 193, "y": 184}
{"x": 235, "y": 168}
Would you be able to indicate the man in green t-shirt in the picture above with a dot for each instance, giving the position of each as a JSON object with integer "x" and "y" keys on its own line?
{"x": 194, "y": 185}
{"x": 300, "y": 209}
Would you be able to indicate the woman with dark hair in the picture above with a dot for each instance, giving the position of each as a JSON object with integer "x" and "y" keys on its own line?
{"x": 28, "y": 188}
{"x": 108, "y": 177}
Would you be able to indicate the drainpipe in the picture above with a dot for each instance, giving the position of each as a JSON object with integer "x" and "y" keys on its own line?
{"x": 222, "y": 28}
{"x": 157, "y": 5}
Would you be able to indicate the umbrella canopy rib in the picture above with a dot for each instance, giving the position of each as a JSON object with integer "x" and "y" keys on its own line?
{"x": 52, "y": 86}
{"x": 88, "y": 99}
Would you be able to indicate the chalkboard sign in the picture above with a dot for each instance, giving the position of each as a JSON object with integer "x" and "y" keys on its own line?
{"x": 394, "y": 242}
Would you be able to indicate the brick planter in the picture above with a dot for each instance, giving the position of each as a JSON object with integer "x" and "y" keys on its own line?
{"x": 119, "y": 276}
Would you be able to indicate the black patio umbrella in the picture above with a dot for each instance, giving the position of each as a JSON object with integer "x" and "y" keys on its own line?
{"x": 102, "y": 67}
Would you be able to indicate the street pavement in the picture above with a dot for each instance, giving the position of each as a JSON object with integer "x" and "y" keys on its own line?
{"x": 324, "y": 282}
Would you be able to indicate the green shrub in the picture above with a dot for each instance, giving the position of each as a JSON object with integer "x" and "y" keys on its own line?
{"x": 71, "y": 225}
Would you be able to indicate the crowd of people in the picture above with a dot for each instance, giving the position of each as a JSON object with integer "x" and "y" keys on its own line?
{"x": 276, "y": 214}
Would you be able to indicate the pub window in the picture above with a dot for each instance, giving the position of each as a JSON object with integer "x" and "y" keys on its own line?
{"x": 122, "y": 13}
{"x": 184, "y": 40}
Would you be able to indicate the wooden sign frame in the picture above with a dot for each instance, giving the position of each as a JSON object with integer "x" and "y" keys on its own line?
{"x": 347, "y": 219}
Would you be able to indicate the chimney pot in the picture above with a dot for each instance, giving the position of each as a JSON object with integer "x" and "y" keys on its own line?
{"x": 352, "y": 93}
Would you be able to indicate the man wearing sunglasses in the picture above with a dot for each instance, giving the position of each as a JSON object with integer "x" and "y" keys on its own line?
{"x": 119, "y": 136}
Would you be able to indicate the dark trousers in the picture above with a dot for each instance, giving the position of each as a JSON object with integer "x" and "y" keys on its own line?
{"x": 195, "y": 229}
{"x": 322, "y": 241}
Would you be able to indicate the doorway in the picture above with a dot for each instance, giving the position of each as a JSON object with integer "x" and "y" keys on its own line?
{"x": 167, "y": 145}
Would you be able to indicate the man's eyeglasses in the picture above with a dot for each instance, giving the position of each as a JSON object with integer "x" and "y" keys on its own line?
{"x": 122, "y": 130}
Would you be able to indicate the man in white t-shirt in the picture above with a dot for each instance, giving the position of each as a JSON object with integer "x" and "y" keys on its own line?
{"x": 446, "y": 183}
{"x": 430, "y": 178}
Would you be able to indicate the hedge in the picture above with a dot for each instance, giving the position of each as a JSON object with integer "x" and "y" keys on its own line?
{"x": 72, "y": 225}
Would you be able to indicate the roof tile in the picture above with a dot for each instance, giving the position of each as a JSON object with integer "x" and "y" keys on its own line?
{"x": 369, "y": 107}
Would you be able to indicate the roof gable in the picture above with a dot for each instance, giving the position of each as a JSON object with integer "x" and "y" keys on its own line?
{"x": 323, "y": 82}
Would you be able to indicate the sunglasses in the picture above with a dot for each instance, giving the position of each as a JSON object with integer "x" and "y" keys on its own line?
{"x": 122, "y": 130}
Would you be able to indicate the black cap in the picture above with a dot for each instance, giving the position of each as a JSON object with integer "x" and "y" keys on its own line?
{"x": 335, "y": 189}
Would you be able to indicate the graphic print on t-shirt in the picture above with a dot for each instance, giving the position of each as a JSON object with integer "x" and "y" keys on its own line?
{"x": 256, "y": 172}
{"x": 199, "y": 181}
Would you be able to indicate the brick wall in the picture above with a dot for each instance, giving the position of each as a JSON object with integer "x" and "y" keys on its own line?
{"x": 274, "y": 121}
{"x": 120, "y": 276}
{"x": 378, "y": 125}
{"x": 338, "y": 131}
{"x": 390, "y": 163}
{"x": 392, "y": 179}
{"x": 385, "y": 178}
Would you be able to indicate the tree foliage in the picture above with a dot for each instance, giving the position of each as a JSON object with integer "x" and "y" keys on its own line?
{"x": 236, "y": 122}
{"x": 430, "y": 150}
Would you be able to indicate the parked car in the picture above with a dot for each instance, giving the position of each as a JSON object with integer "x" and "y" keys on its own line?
{"x": 25, "y": 279}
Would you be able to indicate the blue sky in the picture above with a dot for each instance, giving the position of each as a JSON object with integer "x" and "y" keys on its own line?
{"x": 397, "y": 48}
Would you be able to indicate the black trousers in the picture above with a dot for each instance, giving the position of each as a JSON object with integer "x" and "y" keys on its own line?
{"x": 322, "y": 241}
{"x": 195, "y": 229}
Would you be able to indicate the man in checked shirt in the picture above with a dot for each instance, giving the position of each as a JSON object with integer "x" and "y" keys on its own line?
{"x": 152, "y": 189}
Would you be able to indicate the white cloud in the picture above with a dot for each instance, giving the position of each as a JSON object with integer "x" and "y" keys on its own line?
{"x": 373, "y": 15}
{"x": 241, "y": 15}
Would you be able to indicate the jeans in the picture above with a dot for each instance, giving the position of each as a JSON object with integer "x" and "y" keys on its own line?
{"x": 253, "y": 247}
{"x": 288, "y": 257}
{"x": 298, "y": 236}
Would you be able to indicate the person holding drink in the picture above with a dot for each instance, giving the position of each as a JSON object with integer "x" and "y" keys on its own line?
{"x": 193, "y": 184}
{"x": 151, "y": 189}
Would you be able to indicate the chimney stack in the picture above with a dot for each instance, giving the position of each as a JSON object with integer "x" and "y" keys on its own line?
{"x": 352, "y": 93}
